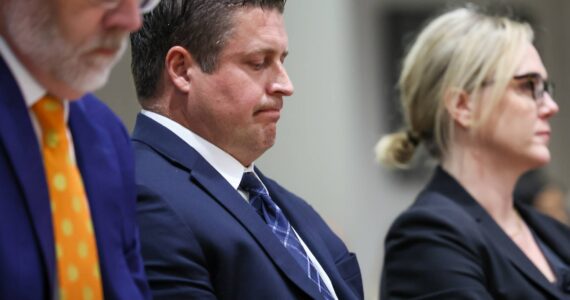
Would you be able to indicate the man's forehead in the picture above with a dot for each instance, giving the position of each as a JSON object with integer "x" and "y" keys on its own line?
{"x": 257, "y": 30}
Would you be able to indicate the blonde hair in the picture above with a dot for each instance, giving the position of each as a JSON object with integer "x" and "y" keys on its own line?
{"x": 458, "y": 52}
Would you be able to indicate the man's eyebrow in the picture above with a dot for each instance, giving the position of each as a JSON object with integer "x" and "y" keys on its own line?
{"x": 265, "y": 50}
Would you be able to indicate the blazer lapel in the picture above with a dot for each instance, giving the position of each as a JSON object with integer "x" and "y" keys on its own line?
{"x": 515, "y": 254}
{"x": 445, "y": 184}
{"x": 311, "y": 238}
{"x": 227, "y": 197}
{"x": 19, "y": 139}
{"x": 552, "y": 235}
{"x": 96, "y": 162}
{"x": 205, "y": 176}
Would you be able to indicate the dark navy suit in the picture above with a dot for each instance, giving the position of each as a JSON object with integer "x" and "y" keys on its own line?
{"x": 446, "y": 246}
{"x": 201, "y": 240}
{"x": 104, "y": 157}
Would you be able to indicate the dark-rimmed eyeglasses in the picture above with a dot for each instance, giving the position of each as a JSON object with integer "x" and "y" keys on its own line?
{"x": 534, "y": 84}
{"x": 144, "y": 5}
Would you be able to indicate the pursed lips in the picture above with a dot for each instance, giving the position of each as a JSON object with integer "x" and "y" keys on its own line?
{"x": 273, "y": 114}
{"x": 271, "y": 111}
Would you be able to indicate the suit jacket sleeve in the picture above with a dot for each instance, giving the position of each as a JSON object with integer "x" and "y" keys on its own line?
{"x": 180, "y": 276}
{"x": 429, "y": 256}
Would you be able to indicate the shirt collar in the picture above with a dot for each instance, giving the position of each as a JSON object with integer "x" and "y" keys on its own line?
{"x": 31, "y": 90}
{"x": 229, "y": 167}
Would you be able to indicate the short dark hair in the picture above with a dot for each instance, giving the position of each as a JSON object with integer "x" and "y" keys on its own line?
{"x": 200, "y": 26}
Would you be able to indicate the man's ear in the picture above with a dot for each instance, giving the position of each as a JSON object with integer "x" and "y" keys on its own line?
{"x": 179, "y": 67}
{"x": 460, "y": 107}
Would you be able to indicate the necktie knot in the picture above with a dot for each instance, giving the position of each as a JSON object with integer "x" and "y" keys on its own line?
{"x": 49, "y": 112}
{"x": 251, "y": 184}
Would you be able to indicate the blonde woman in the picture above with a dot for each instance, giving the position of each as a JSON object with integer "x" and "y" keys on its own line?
{"x": 476, "y": 94}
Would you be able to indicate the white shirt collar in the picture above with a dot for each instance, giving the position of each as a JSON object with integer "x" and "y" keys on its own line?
{"x": 31, "y": 90}
{"x": 229, "y": 167}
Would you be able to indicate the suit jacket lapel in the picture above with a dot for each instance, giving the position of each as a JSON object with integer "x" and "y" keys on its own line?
{"x": 555, "y": 236}
{"x": 548, "y": 232}
{"x": 97, "y": 168}
{"x": 445, "y": 184}
{"x": 205, "y": 176}
{"x": 227, "y": 197}
{"x": 311, "y": 238}
{"x": 89, "y": 158}
{"x": 18, "y": 137}
{"x": 510, "y": 250}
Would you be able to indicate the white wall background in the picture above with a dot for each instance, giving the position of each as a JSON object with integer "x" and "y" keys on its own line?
{"x": 331, "y": 123}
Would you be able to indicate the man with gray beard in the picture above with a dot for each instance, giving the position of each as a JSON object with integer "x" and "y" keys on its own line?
{"x": 66, "y": 168}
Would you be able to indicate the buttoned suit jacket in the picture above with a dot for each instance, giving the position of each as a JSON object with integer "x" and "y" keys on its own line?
{"x": 104, "y": 157}
{"x": 446, "y": 246}
{"x": 202, "y": 240}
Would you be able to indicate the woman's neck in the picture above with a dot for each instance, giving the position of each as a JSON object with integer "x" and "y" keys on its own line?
{"x": 490, "y": 179}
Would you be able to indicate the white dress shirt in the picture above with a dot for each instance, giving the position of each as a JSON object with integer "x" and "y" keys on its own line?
{"x": 230, "y": 168}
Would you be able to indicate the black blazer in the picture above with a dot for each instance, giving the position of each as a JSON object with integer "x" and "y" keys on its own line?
{"x": 201, "y": 240}
{"x": 446, "y": 246}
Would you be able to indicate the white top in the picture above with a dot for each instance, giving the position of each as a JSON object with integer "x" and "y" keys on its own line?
{"x": 230, "y": 168}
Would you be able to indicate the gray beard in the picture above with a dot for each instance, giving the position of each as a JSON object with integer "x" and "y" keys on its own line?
{"x": 35, "y": 34}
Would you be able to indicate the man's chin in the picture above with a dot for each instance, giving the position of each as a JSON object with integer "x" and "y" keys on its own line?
{"x": 87, "y": 81}
{"x": 95, "y": 70}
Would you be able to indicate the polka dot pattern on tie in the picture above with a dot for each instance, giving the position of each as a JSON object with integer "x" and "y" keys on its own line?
{"x": 75, "y": 245}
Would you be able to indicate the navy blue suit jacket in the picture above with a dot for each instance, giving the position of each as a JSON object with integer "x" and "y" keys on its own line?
{"x": 446, "y": 246}
{"x": 201, "y": 240}
{"x": 104, "y": 157}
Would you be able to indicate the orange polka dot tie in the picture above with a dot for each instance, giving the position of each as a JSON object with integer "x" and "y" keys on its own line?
{"x": 76, "y": 250}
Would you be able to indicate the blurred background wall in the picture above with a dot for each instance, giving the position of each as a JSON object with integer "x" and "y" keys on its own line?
{"x": 341, "y": 55}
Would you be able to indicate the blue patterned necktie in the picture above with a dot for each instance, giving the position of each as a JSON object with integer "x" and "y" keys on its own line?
{"x": 269, "y": 211}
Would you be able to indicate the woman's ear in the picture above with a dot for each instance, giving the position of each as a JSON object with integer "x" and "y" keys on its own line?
{"x": 459, "y": 106}
{"x": 178, "y": 65}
